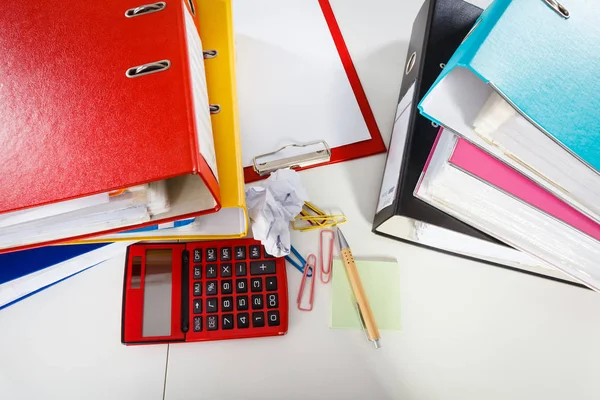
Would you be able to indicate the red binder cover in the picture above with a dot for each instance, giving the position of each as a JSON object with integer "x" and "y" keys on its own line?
{"x": 73, "y": 124}
{"x": 375, "y": 144}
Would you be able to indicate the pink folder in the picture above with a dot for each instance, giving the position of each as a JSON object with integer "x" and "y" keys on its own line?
{"x": 477, "y": 162}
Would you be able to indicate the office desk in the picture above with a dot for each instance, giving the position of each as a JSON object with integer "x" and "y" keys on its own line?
{"x": 469, "y": 330}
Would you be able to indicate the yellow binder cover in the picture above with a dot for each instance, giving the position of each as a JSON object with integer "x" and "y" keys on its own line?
{"x": 216, "y": 32}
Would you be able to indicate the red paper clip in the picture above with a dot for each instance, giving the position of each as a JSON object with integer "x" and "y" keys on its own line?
{"x": 325, "y": 273}
{"x": 311, "y": 264}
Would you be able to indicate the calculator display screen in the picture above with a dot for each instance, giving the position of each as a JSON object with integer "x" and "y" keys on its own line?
{"x": 157, "y": 293}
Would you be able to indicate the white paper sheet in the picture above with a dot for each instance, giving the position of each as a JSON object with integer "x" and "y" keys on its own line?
{"x": 292, "y": 86}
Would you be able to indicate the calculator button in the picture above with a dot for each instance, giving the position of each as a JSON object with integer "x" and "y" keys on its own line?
{"x": 256, "y": 284}
{"x": 273, "y": 318}
{"x": 211, "y": 255}
{"x": 257, "y": 302}
{"x": 262, "y": 267}
{"x": 240, "y": 252}
{"x": 242, "y": 303}
{"x": 227, "y": 304}
{"x": 197, "y": 289}
{"x": 197, "y": 324}
{"x": 267, "y": 255}
{"x": 197, "y": 306}
{"x": 211, "y": 305}
{"x": 211, "y": 271}
{"x": 227, "y": 287}
{"x": 255, "y": 251}
{"x": 258, "y": 319}
{"x": 211, "y": 288}
{"x": 271, "y": 283}
{"x": 225, "y": 253}
{"x": 226, "y": 270}
{"x": 240, "y": 269}
{"x": 243, "y": 320}
{"x": 241, "y": 286}
{"x": 272, "y": 300}
{"x": 197, "y": 272}
{"x": 227, "y": 321}
{"x": 197, "y": 255}
{"x": 212, "y": 322}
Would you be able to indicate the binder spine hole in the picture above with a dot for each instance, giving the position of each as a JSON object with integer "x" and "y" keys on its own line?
{"x": 442, "y": 65}
{"x": 435, "y": 125}
{"x": 145, "y": 9}
{"x": 192, "y": 7}
{"x": 149, "y": 68}
{"x": 209, "y": 54}
{"x": 215, "y": 108}
{"x": 558, "y": 8}
{"x": 411, "y": 62}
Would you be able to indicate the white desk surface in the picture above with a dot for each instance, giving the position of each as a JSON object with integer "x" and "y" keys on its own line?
{"x": 470, "y": 331}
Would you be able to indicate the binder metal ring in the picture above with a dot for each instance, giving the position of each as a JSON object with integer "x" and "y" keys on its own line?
{"x": 145, "y": 9}
{"x": 411, "y": 62}
{"x": 192, "y": 7}
{"x": 215, "y": 108}
{"x": 147, "y": 69}
{"x": 209, "y": 54}
{"x": 558, "y": 8}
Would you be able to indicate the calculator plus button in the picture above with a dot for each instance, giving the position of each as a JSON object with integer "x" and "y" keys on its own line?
{"x": 262, "y": 267}
{"x": 211, "y": 305}
{"x": 255, "y": 251}
{"x": 272, "y": 300}
{"x": 258, "y": 319}
{"x": 197, "y": 324}
{"x": 226, "y": 270}
{"x": 212, "y": 322}
{"x": 197, "y": 306}
{"x": 227, "y": 321}
{"x": 198, "y": 256}
{"x": 242, "y": 303}
{"x": 256, "y": 284}
{"x": 273, "y": 318}
{"x": 240, "y": 269}
{"x": 197, "y": 289}
{"x": 271, "y": 283}
{"x": 225, "y": 253}
{"x": 241, "y": 286}
{"x": 211, "y": 288}
{"x": 197, "y": 272}
{"x": 227, "y": 304}
{"x": 226, "y": 287}
{"x": 211, "y": 255}
{"x": 243, "y": 320}
{"x": 211, "y": 271}
{"x": 257, "y": 302}
{"x": 240, "y": 252}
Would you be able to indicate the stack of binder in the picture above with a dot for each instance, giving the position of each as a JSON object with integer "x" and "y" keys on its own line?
{"x": 517, "y": 149}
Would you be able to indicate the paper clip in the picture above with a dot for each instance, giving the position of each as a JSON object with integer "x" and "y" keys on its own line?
{"x": 316, "y": 218}
{"x": 325, "y": 272}
{"x": 311, "y": 263}
{"x": 300, "y": 263}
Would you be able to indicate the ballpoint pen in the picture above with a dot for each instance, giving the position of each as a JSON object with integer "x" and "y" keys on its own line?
{"x": 362, "y": 303}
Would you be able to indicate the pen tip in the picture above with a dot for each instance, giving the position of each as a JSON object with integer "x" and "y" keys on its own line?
{"x": 377, "y": 343}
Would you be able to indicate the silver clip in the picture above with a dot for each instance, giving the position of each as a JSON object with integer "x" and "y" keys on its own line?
{"x": 215, "y": 108}
{"x": 145, "y": 9}
{"x": 558, "y": 8}
{"x": 375, "y": 342}
{"x": 294, "y": 161}
{"x": 147, "y": 69}
{"x": 209, "y": 54}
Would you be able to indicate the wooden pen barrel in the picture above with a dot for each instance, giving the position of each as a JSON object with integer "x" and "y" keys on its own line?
{"x": 359, "y": 293}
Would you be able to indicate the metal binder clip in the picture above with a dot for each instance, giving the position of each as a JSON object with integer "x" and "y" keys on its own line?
{"x": 266, "y": 163}
{"x": 325, "y": 273}
{"x": 147, "y": 69}
{"x": 145, "y": 9}
{"x": 558, "y": 8}
{"x": 215, "y": 108}
{"x": 207, "y": 54}
{"x": 311, "y": 263}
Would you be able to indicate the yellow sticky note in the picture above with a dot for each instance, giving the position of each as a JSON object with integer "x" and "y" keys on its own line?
{"x": 381, "y": 280}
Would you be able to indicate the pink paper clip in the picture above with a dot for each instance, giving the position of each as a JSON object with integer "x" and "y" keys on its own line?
{"x": 311, "y": 265}
{"x": 325, "y": 273}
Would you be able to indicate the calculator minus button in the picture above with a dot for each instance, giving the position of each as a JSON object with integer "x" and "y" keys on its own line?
{"x": 262, "y": 267}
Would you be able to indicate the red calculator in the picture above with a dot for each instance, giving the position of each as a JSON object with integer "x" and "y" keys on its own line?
{"x": 198, "y": 291}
